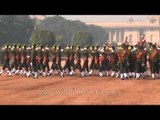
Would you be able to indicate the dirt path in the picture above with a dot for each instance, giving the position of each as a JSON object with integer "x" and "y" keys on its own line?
{"x": 77, "y": 90}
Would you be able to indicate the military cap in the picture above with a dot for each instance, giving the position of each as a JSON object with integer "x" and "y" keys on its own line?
{"x": 87, "y": 46}
{"x": 78, "y": 46}
{"x": 6, "y": 46}
{"x": 54, "y": 47}
{"x": 58, "y": 47}
{"x": 154, "y": 45}
{"x": 71, "y": 46}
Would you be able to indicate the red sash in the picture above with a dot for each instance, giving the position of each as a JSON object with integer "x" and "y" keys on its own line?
{"x": 153, "y": 54}
{"x": 139, "y": 55}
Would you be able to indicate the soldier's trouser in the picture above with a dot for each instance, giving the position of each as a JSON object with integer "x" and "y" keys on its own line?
{"x": 6, "y": 65}
{"x": 67, "y": 65}
{"x": 40, "y": 65}
{"x": 103, "y": 66}
{"x": 96, "y": 66}
{"x": 153, "y": 66}
{"x": 54, "y": 66}
{"x": 85, "y": 66}
{"x": 34, "y": 65}
{"x": 138, "y": 66}
{"x": 72, "y": 64}
{"x": 24, "y": 65}
{"x": 108, "y": 66}
{"x": 131, "y": 67}
{"x": 92, "y": 63}
{"x": 59, "y": 66}
{"x": 18, "y": 63}
{"x": 114, "y": 66}
{"x": 28, "y": 67}
{"x": 123, "y": 67}
{"x": 46, "y": 64}
{"x": 14, "y": 65}
{"x": 78, "y": 66}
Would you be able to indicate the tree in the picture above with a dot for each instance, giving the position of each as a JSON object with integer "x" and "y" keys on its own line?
{"x": 15, "y": 28}
{"x": 60, "y": 40}
{"x": 61, "y": 26}
{"x": 43, "y": 37}
{"x": 82, "y": 38}
{"x": 99, "y": 34}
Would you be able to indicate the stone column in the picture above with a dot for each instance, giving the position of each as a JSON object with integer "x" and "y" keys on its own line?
{"x": 122, "y": 36}
{"x": 117, "y": 36}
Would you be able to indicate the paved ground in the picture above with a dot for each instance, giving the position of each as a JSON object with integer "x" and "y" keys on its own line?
{"x": 77, "y": 90}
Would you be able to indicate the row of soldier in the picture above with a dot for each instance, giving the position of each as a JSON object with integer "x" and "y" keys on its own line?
{"x": 126, "y": 61}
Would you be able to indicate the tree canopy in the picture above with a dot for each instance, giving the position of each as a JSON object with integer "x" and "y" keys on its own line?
{"x": 15, "y": 28}
{"x": 43, "y": 37}
{"x": 82, "y": 38}
{"x": 66, "y": 28}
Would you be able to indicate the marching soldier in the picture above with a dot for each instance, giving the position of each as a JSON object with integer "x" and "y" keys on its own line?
{"x": 54, "y": 55}
{"x": 113, "y": 61}
{"x": 124, "y": 62}
{"x": 46, "y": 60}
{"x": 140, "y": 61}
{"x": 58, "y": 60}
{"x": 28, "y": 61}
{"x": 154, "y": 61}
{"x": 92, "y": 53}
{"x": 107, "y": 52}
{"x": 14, "y": 65}
{"x": 132, "y": 59}
{"x": 78, "y": 61}
{"x": 18, "y": 58}
{"x": 158, "y": 69}
{"x": 6, "y": 60}
{"x": 72, "y": 54}
{"x": 143, "y": 68}
{"x": 103, "y": 59}
{"x": 34, "y": 61}
{"x": 67, "y": 61}
{"x": 23, "y": 63}
{"x": 40, "y": 58}
{"x": 119, "y": 50}
{"x": 86, "y": 59}
{"x": 96, "y": 63}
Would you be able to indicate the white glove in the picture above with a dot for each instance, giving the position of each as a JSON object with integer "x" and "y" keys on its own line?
{"x": 31, "y": 63}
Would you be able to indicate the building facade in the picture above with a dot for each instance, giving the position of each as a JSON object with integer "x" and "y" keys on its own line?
{"x": 118, "y": 31}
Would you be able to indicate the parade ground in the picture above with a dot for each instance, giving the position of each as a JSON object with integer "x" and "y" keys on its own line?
{"x": 76, "y": 90}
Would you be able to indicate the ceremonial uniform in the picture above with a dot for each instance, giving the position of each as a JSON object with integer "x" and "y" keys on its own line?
{"x": 14, "y": 59}
{"x": 46, "y": 60}
{"x": 113, "y": 61}
{"x": 92, "y": 53}
{"x": 154, "y": 61}
{"x": 58, "y": 61}
{"x": 34, "y": 60}
{"x": 28, "y": 61}
{"x": 86, "y": 60}
{"x": 6, "y": 61}
{"x": 140, "y": 61}
{"x": 71, "y": 60}
{"x": 54, "y": 55}
{"x": 23, "y": 63}
{"x": 124, "y": 62}
{"x": 67, "y": 61}
{"x": 78, "y": 61}
{"x": 40, "y": 58}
